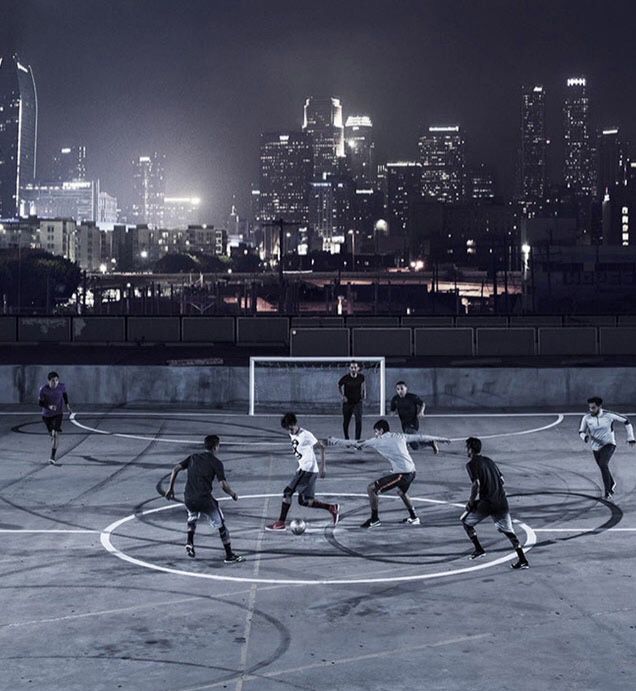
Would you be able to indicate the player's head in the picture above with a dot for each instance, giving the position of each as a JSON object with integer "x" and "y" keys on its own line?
{"x": 381, "y": 427}
{"x": 594, "y": 404}
{"x": 212, "y": 442}
{"x": 401, "y": 388}
{"x": 473, "y": 446}
{"x": 289, "y": 421}
{"x": 354, "y": 367}
{"x": 54, "y": 379}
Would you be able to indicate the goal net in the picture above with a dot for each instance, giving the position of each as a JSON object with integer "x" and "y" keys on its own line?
{"x": 310, "y": 384}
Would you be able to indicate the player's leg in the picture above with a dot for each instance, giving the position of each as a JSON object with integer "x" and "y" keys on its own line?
{"x": 56, "y": 424}
{"x": 411, "y": 427}
{"x": 403, "y": 488}
{"x": 191, "y": 524}
{"x": 357, "y": 411}
{"x": 603, "y": 457}
{"x": 504, "y": 525}
{"x": 288, "y": 493}
{"x": 374, "y": 489}
{"x": 469, "y": 520}
{"x": 217, "y": 520}
{"x": 306, "y": 489}
{"x": 347, "y": 412}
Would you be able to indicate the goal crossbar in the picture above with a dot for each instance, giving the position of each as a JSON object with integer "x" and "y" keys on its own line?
{"x": 255, "y": 360}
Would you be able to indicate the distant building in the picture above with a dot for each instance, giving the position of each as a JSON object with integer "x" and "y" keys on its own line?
{"x": 533, "y": 150}
{"x": 18, "y": 132}
{"x": 286, "y": 168}
{"x": 360, "y": 149}
{"x": 149, "y": 189}
{"x": 331, "y": 209}
{"x": 403, "y": 190}
{"x": 619, "y": 216}
{"x": 92, "y": 246}
{"x": 106, "y": 208}
{"x": 481, "y": 184}
{"x": 442, "y": 158}
{"x": 69, "y": 163}
{"x": 322, "y": 120}
{"x": 22, "y": 232}
{"x": 578, "y": 166}
{"x": 180, "y": 212}
{"x": 613, "y": 163}
{"x": 77, "y": 199}
{"x": 58, "y": 236}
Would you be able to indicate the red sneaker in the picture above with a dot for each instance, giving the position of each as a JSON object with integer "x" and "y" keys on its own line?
{"x": 334, "y": 510}
{"x": 276, "y": 525}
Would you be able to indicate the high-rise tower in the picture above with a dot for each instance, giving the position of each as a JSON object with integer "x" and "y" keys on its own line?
{"x": 323, "y": 121}
{"x": 578, "y": 168}
{"x": 149, "y": 189}
{"x": 533, "y": 150}
{"x": 443, "y": 161}
{"x": 360, "y": 149}
{"x": 18, "y": 132}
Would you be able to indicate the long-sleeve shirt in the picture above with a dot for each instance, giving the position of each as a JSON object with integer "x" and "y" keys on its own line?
{"x": 600, "y": 428}
{"x": 392, "y": 446}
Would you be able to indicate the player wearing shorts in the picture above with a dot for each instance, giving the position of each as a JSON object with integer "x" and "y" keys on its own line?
{"x": 597, "y": 427}
{"x": 488, "y": 498}
{"x": 52, "y": 399}
{"x": 202, "y": 469}
{"x": 410, "y": 407}
{"x": 393, "y": 447}
{"x": 303, "y": 444}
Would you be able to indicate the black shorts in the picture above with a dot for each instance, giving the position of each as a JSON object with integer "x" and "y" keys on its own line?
{"x": 53, "y": 422}
{"x": 304, "y": 482}
{"x": 396, "y": 481}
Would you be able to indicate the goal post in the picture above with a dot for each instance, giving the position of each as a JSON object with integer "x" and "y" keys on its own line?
{"x": 309, "y": 384}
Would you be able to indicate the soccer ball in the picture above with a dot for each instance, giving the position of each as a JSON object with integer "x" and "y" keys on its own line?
{"x": 297, "y": 526}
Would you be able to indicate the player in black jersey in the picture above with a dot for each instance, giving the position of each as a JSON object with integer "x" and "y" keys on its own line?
{"x": 202, "y": 469}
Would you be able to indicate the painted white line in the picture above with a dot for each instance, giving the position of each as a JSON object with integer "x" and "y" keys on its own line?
{"x": 349, "y": 660}
{"x": 585, "y": 530}
{"x": 109, "y": 530}
{"x": 558, "y": 421}
{"x": 26, "y": 530}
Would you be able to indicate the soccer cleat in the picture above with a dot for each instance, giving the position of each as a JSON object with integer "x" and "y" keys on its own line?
{"x": 520, "y": 564}
{"x": 52, "y": 461}
{"x": 435, "y": 447}
{"x": 276, "y": 526}
{"x": 477, "y": 554}
{"x": 234, "y": 559}
{"x": 371, "y": 523}
{"x": 609, "y": 496}
{"x": 613, "y": 488}
{"x": 334, "y": 510}
{"x": 190, "y": 551}
{"x": 411, "y": 521}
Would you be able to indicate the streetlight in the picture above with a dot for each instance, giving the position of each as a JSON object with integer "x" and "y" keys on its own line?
{"x": 103, "y": 268}
{"x": 144, "y": 254}
{"x": 353, "y": 247}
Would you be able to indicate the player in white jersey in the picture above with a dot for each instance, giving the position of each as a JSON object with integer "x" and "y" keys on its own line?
{"x": 597, "y": 427}
{"x": 393, "y": 447}
{"x": 303, "y": 444}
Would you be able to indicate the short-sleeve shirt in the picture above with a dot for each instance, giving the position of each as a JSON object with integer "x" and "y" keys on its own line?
{"x": 352, "y": 387}
{"x": 303, "y": 450}
{"x": 53, "y": 397}
{"x": 202, "y": 469}
{"x": 492, "y": 495}
{"x": 407, "y": 406}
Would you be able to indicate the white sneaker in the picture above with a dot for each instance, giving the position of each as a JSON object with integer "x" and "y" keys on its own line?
{"x": 412, "y": 521}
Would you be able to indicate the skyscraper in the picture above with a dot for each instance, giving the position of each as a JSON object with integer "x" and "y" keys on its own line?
{"x": 481, "y": 184}
{"x": 323, "y": 121}
{"x": 403, "y": 189}
{"x": 612, "y": 168}
{"x": 533, "y": 150}
{"x": 18, "y": 132}
{"x": 69, "y": 163}
{"x": 149, "y": 189}
{"x": 443, "y": 160}
{"x": 578, "y": 169}
{"x": 360, "y": 149}
{"x": 286, "y": 171}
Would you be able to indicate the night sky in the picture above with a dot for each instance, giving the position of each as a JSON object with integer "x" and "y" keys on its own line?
{"x": 200, "y": 79}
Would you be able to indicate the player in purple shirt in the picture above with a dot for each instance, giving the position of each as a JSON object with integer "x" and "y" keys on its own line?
{"x": 52, "y": 399}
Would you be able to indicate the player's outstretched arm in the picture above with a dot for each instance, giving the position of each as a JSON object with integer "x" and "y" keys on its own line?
{"x": 334, "y": 441}
{"x": 225, "y": 486}
{"x": 173, "y": 476}
{"x": 323, "y": 463}
{"x": 426, "y": 437}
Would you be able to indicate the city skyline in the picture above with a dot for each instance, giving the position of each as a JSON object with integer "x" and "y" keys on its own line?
{"x": 121, "y": 92}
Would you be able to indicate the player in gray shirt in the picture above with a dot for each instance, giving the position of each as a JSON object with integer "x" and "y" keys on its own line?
{"x": 393, "y": 447}
{"x": 597, "y": 428}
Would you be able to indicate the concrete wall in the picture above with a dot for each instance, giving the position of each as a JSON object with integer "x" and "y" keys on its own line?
{"x": 281, "y": 388}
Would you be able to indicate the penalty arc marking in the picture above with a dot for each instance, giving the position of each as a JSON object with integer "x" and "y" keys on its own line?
{"x": 108, "y": 531}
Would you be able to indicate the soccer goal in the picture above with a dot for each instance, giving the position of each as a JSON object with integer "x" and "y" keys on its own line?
{"x": 310, "y": 384}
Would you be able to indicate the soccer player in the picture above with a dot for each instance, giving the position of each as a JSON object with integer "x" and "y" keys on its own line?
{"x": 353, "y": 391}
{"x": 488, "y": 498}
{"x": 202, "y": 469}
{"x": 303, "y": 445}
{"x": 409, "y": 407}
{"x": 597, "y": 427}
{"x": 52, "y": 399}
{"x": 393, "y": 447}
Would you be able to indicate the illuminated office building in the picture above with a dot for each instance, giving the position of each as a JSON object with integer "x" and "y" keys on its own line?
{"x": 533, "y": 150}
{"x": 149, "y": 190}
{"x": 360, "y": 149}
{"x": 322, "y": 120}
{"x": 442, "y": 158}
{"x": 403, "y": 190}
{"x": 578, "y": 168}
{"x": 69, "y": 163}
{"x": 612, "y": 161}
{"x": 18, "y": 132}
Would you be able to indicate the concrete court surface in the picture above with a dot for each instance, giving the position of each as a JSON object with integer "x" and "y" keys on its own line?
{"x": 97, "y": 592}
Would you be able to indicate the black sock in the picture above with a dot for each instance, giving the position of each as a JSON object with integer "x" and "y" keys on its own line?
{"x": 412, "y": 513}
{"x": 374, "y": 515}
{"x": 320, "y": 505}
{"x": 53, "y": 452}
{"x": 475, "y": 540}
{"x": 284, "y": 510}
{"x": 520, "y": 554}
{"x": 191, "y": 536}
{"x": 228, "y": 549}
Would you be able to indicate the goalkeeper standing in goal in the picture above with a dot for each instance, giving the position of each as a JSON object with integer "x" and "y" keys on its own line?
{"x": 393, "y": 447}
{"x": 353, "y": 391}
{"x": 303, "y": 444}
